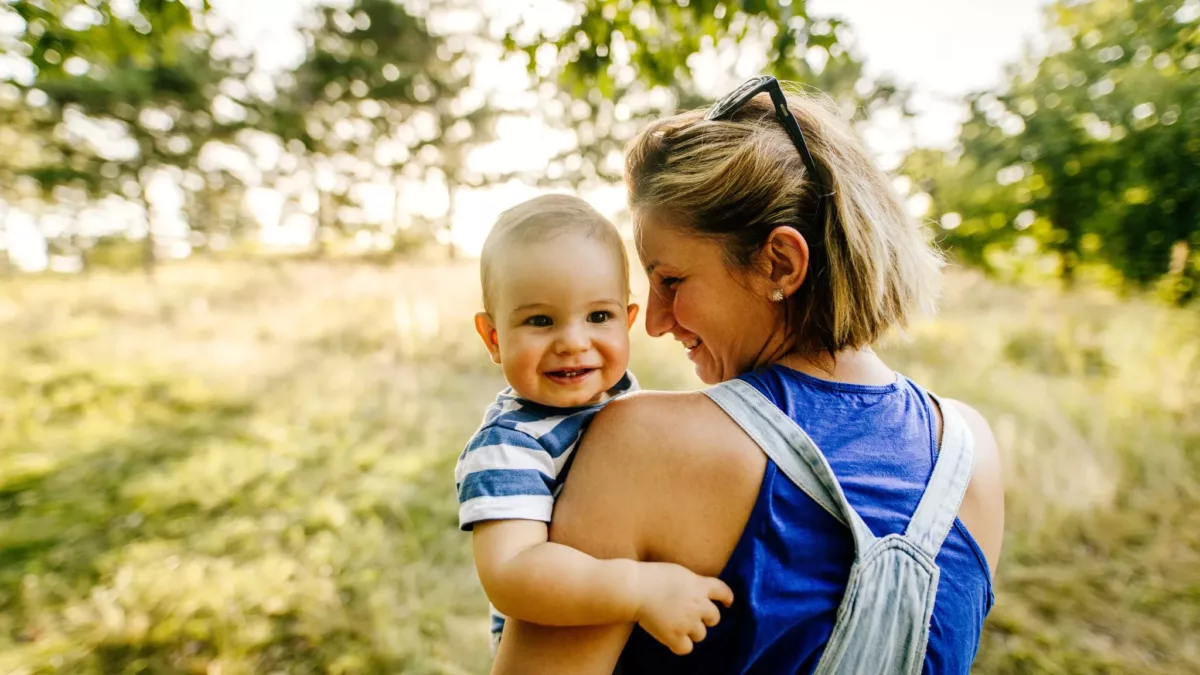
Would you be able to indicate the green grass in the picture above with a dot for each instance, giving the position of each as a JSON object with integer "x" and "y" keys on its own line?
{"x": 248, "y": 469}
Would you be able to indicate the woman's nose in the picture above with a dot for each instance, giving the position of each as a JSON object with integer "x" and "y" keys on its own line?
{"x": 659, "y": 318}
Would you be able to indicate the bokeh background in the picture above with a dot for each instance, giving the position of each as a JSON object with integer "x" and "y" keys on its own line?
{"x": 237, "y": 276}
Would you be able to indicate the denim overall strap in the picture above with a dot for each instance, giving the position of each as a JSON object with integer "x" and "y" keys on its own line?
{"x": 792, "y": 451}
{"x": 952, "y": 471}
{"x": 883, "y": 621}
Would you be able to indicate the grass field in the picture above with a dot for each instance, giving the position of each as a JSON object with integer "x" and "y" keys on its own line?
{"x": 248, "y": 469}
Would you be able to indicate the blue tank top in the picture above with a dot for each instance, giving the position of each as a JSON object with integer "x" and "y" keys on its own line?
{"x": 790, "y": 567}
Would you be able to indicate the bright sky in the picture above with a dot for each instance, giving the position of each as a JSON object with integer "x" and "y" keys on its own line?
{"x": 943, "y": 49}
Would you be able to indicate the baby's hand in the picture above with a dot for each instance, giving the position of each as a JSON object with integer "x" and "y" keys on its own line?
{"x": 677, "y": 605}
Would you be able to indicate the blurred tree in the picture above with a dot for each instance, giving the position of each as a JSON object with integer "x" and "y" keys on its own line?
{"x": 1090, "y": 153}
{"x": 121, "y": 92}
{"x": 380, "y": 97}
{"x": 984, "y": 208}
{"x": 622, "y": 61}
{"x": 20, "y": 151}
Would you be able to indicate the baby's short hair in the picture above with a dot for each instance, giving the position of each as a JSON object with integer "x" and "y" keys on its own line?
{"x": 543, "y": 218}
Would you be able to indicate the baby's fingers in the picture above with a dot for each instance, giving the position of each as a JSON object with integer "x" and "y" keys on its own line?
{"x": 681, "y": 646}
{"x": 710, "y": 615}
{"x": 719, "y": 592}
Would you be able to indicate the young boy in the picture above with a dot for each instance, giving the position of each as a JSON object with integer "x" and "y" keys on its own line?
{"x": 557, "y": 318}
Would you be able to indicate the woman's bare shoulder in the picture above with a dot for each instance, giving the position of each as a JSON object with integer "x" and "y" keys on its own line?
{"x": 645, "y": 405}
{"x": 674, "y": 455}
{"x": 664, "y": 426}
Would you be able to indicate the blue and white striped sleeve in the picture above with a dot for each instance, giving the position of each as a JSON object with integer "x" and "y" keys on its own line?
{"x": 504, "y": 474}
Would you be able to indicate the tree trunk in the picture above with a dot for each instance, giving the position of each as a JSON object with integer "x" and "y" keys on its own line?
{"x": 326, "y": 218}
{"x": 5, "y": 257}
{"x": 1068, "y": 248}
{"x": 198, "y": 210}
{"x": 397, "y": 207}
{"x": 149, "y": 254}
{"x": 451, "y": 190}
{"x": 74, "y": 243}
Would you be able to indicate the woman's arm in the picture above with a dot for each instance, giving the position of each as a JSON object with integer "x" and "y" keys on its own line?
{"x": 658, "y": 477}
{"x": 982, "y": 509}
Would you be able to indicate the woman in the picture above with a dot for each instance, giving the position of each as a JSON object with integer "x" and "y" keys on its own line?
{"x": 777, "y": 256}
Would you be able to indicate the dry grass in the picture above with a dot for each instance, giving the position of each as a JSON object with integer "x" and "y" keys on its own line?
{"x": 247, "y": 469}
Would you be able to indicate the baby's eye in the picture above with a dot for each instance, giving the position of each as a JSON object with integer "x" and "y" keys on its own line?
{"x": 600, "y": 316}
{"x": 539, "y": 321}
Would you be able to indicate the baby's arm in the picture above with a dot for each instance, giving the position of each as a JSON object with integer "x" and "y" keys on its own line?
{"x": 531, "y": 579}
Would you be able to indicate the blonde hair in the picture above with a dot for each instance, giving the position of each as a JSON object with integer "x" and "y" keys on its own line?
{"x": 870, "y": 267}
{"x": 543, "y": 218}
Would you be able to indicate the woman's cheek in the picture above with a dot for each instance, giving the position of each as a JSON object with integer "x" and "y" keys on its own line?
{"x": 681, "y": 308}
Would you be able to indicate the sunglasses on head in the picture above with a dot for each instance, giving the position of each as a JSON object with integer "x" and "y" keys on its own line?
{"x": 728, "y": 106}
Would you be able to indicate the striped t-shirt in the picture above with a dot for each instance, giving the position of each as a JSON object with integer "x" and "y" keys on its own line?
{"x": 515, "y": 464}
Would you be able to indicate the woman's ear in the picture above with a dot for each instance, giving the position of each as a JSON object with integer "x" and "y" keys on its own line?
{"x": 487, "y": 332}
{"x": 785, "y": 257}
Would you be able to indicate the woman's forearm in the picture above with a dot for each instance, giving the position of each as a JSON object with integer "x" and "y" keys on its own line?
{"x": 532, "y": 649}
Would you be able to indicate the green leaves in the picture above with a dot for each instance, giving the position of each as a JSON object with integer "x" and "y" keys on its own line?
{"x": 105, "y": 76}
{"x": 1104, "y": 131}
{"x": 648, "y": 58}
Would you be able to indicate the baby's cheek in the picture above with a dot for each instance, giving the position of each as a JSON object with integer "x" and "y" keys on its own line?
{"x": 522, "y": 366}
{"x": 529, "y": 367}
{"x": 617, "y": 360}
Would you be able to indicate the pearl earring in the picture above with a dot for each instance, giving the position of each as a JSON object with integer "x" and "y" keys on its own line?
{"x": 777, "y": 295}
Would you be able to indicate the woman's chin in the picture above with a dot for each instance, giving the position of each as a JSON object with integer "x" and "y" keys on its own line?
{"x": 707, "y": 368}
{"x": 707, "y": 373}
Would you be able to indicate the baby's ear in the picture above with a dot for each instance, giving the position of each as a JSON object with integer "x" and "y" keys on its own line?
{"x": 632, "y": 309}
{"x": 487, "y": 332}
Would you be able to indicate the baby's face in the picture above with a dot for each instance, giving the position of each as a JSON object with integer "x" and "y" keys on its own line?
{"x": 560, "y": 320}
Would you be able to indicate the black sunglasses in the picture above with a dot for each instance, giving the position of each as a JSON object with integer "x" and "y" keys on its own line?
{"x": 725, "y": 109}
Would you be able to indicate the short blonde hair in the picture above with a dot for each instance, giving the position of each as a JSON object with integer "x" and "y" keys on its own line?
{"x": 870, "y": 267}
{"x": 543, "y": 218}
